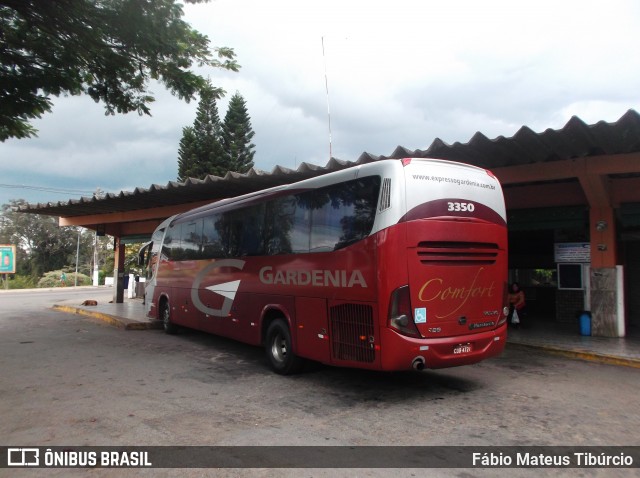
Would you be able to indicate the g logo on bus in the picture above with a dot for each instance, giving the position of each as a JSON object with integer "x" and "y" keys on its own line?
{"x": 227, "y": 289}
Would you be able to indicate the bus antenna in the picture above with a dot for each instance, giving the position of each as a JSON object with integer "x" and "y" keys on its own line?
{"x": 326, "y": 86}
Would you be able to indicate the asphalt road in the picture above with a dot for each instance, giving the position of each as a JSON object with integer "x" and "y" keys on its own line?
{"x": 65, "y": 380}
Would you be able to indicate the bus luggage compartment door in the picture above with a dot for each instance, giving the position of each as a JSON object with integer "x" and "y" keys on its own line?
{"x": 312, "y": 329}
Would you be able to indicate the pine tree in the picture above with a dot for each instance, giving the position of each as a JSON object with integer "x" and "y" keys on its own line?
{"x": 236, "y": 136}
{"x": 201, "y": 151}
{"x": 187, "y": 158}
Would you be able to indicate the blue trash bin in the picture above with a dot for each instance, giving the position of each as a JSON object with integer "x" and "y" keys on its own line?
{"x": 585, "y": 323}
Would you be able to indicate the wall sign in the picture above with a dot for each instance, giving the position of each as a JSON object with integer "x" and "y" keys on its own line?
{"x": 572, "y": 252}
{"x": 7, "y": 259}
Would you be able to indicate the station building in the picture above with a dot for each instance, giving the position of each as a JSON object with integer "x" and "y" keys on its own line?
{"x": 573, "y": 206}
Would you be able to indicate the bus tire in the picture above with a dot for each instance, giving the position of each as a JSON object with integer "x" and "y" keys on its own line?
{"x": 165, "y": 315}
{"x": 279, "y": 349}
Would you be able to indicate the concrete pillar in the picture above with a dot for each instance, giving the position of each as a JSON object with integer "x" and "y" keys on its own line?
{"x": 606, "y": 280}
{"x": 604, "y": 277}
{"x": 607, "y": 302}
{"x": 118, "y": 272}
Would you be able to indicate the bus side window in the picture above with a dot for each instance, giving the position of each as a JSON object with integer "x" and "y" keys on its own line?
{"x": 171, "y": 244}
{"x": 279, "y": 217}
{"x": 174, "y": 245}
{"x": 248, "y": 227}
{"x": 190, "y": 240}
{"x": 212, "y": 238}
{"x": 326, "y": 229}
{"x": 301, "y": 228}
{"x": 359, "y": 203}
{"x": 343, "y": 214}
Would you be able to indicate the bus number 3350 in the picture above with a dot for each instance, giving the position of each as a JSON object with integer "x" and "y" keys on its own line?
{"x": 461, "y": 206}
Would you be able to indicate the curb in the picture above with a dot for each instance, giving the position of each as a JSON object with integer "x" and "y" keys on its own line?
{"x": 119, "y": 322}
{"x": 129, "y": 324}
{"x": 56, "y": 289}
{"x": 580, "y": 354}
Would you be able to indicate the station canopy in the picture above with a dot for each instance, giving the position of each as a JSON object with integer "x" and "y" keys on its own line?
{"x": 573, "y": 141}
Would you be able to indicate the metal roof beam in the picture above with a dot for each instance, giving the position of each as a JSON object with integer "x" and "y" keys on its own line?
{"x": 129, "y": 216}
{"x": 569, "y": 168}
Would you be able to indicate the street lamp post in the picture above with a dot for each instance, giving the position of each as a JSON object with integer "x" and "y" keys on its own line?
{"x": 77, "y": 256}
{"x": 96, "y": 274}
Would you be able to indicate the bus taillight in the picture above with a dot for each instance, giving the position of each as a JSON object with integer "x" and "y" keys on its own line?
{"x": 505, "y": 300}
{"x": 400, "y": 318}
{"x": 490, "y": 173}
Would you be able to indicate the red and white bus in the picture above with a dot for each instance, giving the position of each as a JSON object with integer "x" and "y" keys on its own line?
{"x": 391, "y": 265}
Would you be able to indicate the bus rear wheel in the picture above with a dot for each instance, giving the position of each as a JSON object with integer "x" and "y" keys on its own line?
{"x": 279, "y": 349}
{"x": 165, "y": 315}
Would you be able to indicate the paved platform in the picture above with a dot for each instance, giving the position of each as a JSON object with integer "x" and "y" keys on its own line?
{"x": 563, "y": 339}
{"x": 546, "y": 336}
{"x": 128, "y": 315}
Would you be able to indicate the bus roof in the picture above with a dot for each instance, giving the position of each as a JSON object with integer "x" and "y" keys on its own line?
{"x": 377, "y": 167}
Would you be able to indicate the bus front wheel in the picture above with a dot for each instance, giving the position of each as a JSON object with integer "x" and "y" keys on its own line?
{"x": 279, "y": 349}
{"x": 165, "y": 315}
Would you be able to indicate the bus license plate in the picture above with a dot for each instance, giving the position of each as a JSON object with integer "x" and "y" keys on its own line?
{"x": 462, "y": 349}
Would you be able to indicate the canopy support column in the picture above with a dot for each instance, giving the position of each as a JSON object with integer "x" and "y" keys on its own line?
{"x": 118, "y": 272}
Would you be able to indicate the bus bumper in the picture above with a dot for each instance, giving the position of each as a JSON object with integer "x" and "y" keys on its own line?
{"x": 398, "y": 352}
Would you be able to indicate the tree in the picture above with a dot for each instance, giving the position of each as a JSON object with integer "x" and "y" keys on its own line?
{"x": 108, "y": 49}
{"x": 187, "y": 156}
{"x": 201, "y": 150}
{"x": 41, "y": 245}
{"x": 212, "y": 147}
{"x": 237, "y": 134}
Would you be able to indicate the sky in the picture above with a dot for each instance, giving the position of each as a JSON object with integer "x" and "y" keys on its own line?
{"x": 349, "y": 76}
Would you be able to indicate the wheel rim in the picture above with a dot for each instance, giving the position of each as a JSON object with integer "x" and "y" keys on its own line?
{"x": 279, "y": 348}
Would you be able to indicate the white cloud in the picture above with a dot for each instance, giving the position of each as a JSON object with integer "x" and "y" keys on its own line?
{"x": 399, "y": 73}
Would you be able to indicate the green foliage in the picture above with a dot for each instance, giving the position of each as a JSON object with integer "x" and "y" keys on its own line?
{"x": 108, "y": 49}
{"x": 237, "y": 134}
{"x": 17, "y": 281}
{"x": 53, "y": 279}
{"x": 543, "y": 276}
